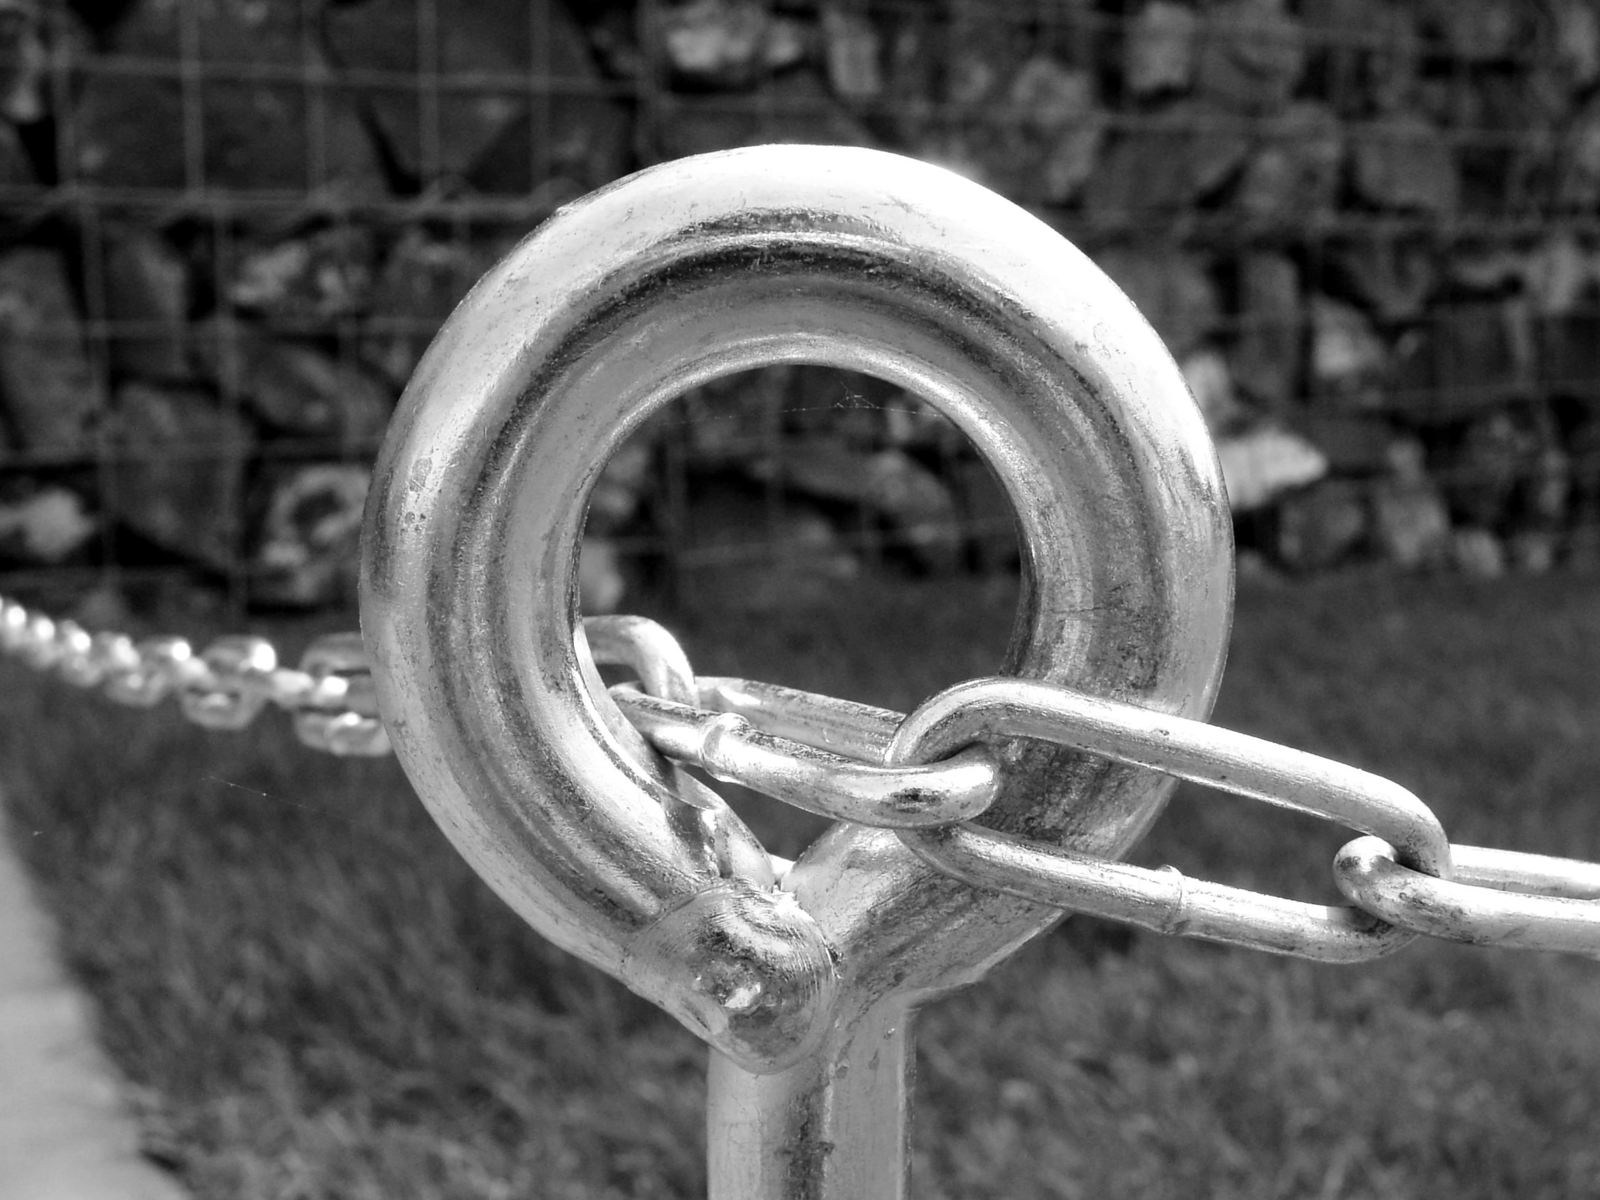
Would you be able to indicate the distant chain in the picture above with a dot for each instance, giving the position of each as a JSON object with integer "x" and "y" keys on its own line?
{"x": 926, "y": 775}
{"x": 226, "y": 685}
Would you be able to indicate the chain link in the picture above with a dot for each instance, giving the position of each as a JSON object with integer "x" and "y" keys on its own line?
{"x": 927, "y": 775}
{"x": 227, "y": 685}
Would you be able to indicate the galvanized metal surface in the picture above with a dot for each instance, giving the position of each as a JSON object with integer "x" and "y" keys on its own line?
{"x": 698, "y": 269}
{"x": 985, "y": 709}
{"x": 1524, "y": 901}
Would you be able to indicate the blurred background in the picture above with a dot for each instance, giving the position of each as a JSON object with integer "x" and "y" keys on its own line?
{"x": 228, "y": 228}
{"x": 1369, "y": 231}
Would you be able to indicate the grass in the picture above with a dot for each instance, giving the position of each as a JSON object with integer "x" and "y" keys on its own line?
{"x": 315, "y": 998}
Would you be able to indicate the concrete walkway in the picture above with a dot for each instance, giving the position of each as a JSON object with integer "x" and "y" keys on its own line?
{"x": 63, "y": 1132}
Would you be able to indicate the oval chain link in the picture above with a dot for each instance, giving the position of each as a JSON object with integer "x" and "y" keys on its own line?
{"x": 1165, "y": 900}
{"x": 926, "y": 776}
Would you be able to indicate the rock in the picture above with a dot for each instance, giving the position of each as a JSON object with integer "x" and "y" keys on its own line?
{"x": 795, "y": 107}
{"x": 1252, "y": 568}
{"x": 1481, "y": 31}
{"x": 1583, "y": 537}
{"x": 1506, "y": 467}
{"x": 1037, "y": 141}
{"x": 147, "y": 299}
{"x": 1404, "y": 162}
{"x": 176, "y": 473}
{"x": 1261, "y": 464}
{"x": 44, "y": 524}
{"x": 24, "y": 62}
{"x": 1171, "y": 287}
{"x": 1206, "y": 372}
{"x": 1490, "y": 269}
{"x": 1064, "y": 124}
{"x": 979, "y": 56}
{"x": 888, "y": 484}
{"x": 1251, "y": 55}
{"x": 1557, "y": 274}
{"x": 1577, "y": 182}
{"x": 307, "y": 545}
{"x": 1348, "y": 359}
{"x": 728, "y": 44}
{"x": 1502, "y": 167}
{"x": 1374, "y": 68}
{"x": 601, "y": 584}
{"x": 910, "y": 422}
{"x": 852, "y": 53}
{"x": 307, "y": 281}
{"x": 730, "y": 422}
{"x": 1047, "y": 95}
{"x": 910, "y": 107}
{"x": 1478, "y": 552}
{"x": 613, "y": 31}
{"x": 745, "y": 555}
{"x": 16, "y": 168}
{"x": 1391, "y": 274}
{"x": 1573, "y": 42}
{"x": 1482, "y": 471}
{"x": 917, "y": 506}
{"x": 1267, "y": 352}
{"x": 1166, "y": 166}
{"x": 1533, "y": 551}
{"x": 1569, "y": 353}
{"x": 1320, "y": 526}
{"x": 422, "y": 279}
{"x": 619, "y": 492}
{"x": 499, "y": 138}
{"x": 132, "y": 130}
{"x": 50, "y": 390}
{"x": 1159, "y": 49}
{"x": 567, "y": 146}
{"x": 1293, "y": 176}
{"x": 1353, "y": 443}
{"x": 1583, "y": 549}
{"x": 985, "y": 514}
{"x": 296, "y": 387}
{"x": 1407, "y": 458}
{"x": 1410, "y": 523}
{"x": 1467, "y": 357}
{"x": 1546, "y": 489}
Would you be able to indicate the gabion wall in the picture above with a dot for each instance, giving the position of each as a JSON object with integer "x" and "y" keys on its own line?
{"x": 1367, "y": 229}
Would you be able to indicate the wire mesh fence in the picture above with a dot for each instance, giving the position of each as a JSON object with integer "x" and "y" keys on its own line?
{"x": 1368, "y": 232}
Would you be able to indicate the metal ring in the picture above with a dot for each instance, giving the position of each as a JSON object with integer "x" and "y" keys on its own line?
{"x": 681, "y": 274}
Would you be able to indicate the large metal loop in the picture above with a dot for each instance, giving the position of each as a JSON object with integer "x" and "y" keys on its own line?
{"x": 668, "y": 279}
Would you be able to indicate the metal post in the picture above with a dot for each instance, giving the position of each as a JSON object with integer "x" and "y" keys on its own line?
{"x": 801, "y": 977}
{"x": 833, "y": 1127}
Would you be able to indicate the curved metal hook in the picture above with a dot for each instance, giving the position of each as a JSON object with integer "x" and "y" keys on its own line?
{"x": 623, "y": 300}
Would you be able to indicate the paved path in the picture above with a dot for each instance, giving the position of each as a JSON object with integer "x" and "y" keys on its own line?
{"x": 63, "y": 1132}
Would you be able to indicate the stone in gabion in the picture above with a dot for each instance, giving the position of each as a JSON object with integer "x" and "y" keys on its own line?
{"x": 50, "y": 388}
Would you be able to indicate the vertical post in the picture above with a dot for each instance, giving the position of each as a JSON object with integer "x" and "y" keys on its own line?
{"x": 833, "y": 1127}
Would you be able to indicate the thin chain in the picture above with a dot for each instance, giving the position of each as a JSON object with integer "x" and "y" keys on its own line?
{"x": 926, "y": 776}
{"x": 226, "y": 685}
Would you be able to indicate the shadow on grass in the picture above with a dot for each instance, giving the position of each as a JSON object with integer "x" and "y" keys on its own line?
{"x": 315, "y": 998}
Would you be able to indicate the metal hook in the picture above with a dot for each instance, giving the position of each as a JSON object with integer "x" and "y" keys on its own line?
{"x": 675, "y": 276}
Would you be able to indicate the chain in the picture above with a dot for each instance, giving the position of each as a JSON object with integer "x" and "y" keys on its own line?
{"x": 926, "y": 775}
{"x": 226, "y": 685}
